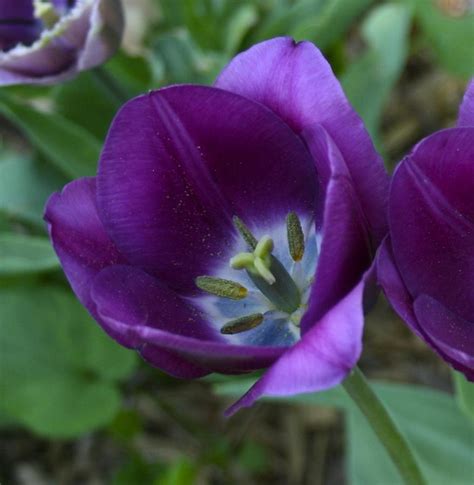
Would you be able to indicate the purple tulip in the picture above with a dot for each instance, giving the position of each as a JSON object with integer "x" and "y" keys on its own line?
{"x": 426, "y": 264}
{"x": 48, "y": 42}
{"x": 229, "y": 228}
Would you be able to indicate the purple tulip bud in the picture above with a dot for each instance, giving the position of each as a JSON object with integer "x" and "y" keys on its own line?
{"x": 47, "y": 42}
{"x": 426, "y": 264}
{"x": 230, "y": 228}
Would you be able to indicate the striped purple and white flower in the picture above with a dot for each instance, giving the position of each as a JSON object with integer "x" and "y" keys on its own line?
{"x": 46, "y": 42}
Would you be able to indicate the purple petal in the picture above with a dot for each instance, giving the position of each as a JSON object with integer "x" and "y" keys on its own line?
{"x": 449, "y": 332}
{"x": 394, "y": 288}
{"x": 180, "y": 162}
{"x": 431, "y": 212}
{"x": 16, "y": 9}
{"x": 104, "y": 35}
{"x": 320, "y": 360}
{"x": 297, "y": 83}
{"x": 466, "y": 111}
{"x": 17, "y": 23}
{"x": 402, "y": 302}
{"x": 78, "y": 236}
{"x": 139, "y": 312}
{"x": 63, "y": 6}
{"x": 345, "y": 248}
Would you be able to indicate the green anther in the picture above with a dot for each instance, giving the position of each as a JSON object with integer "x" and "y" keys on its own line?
{"x": 295, "y": 236}
{"x": 220, "y": 287}
{"x": 242, "y": 324}
{"x": 46, "y": 12}
{"x": 244, "y": 231}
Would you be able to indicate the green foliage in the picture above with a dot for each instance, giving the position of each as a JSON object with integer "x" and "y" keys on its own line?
{"x": 25, "y": 185}
{"x": 20, "y": 254}
{"x": 368, "y": 81}
{"x": 464, "y": 394}
{"x": 181, "y": 472}
{"x": 59, "y": 370}
{"x": 72, "y": 149}
{"x": 451, "y": 38}
{"x": 440, "y": 435}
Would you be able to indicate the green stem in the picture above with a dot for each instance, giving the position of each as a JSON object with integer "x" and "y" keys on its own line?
{"x": 109, "y": 83}
{"x": 384, "y": 426}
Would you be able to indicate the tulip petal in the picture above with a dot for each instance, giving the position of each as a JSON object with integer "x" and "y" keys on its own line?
{"x": 104, "y": 34}
{"x": 394, "y": 288}
{"x": 451, "y": 334}
{"x": 401, "y": 301}
{"x": 432, "y": 237}
{"x": 345, "y": 248}
{"x": 466, "y": 111}
{"x": 17, "y": 23}
{"x": 178, "y": 163}
{"x": 139, "y": 312}
{"x": 297, "y": 83}
{"x": 78, "y": 236}
{"x": 320, "y": 360}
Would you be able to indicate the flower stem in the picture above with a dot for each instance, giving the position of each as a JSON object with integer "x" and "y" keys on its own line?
{"x": 108, "y": 82}
{"x": 384, "y": 426}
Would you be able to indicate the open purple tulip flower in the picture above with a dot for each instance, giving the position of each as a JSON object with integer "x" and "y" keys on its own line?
{"x": 229, "y": 228}
{"x": 426, "y": 265}
{"x": 45, "y": 42}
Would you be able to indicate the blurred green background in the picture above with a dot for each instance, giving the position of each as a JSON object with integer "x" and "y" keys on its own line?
{"x": 75, "y": 408}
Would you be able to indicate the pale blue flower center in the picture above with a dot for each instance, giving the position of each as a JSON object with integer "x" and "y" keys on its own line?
{"x": 278, "y": 328}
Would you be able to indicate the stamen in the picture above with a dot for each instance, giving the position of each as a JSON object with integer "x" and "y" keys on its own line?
{"x": 295, "y": 236}
{"x": 220, "y": 287}
{"x": 242, "y": 324}
{"x": 244, "y": 231}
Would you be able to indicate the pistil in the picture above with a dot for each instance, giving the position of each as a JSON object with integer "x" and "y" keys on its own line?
{"x": 266, "y": 272}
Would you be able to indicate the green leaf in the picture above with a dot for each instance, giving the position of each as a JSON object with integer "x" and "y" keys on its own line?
{"x": 132, "y": 72}
{"x": 21, "y": 254}
{"x": 238, "y": 25}
{"x": 25, "y": 185}
{"x": 253, "y": 457}
{"x": 285, "y": 19}
{"x": 368, "y": 81}
{"x": 177, "y": 59}
{"x": 441, "y": 436}
{"x": 58, "y": 367}
{"x": 330, "y": 23}
{"x": 464, "y": 394}
{"x": 451, "y": 38}
{"x": 72, "y": 149}
{"x": 181, "y": 472}
{"x": 86, "y": 90}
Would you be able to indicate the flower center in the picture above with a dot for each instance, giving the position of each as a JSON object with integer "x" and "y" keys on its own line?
{"x": 285, "y": 298}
